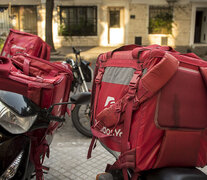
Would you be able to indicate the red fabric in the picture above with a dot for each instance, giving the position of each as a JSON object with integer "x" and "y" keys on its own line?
{"x": 175, "y": 110}
{"x": 204, "y": 74}
{"x": 177, "y": 149}
{"x": 171, "y": 94}
{"x": 40, "y": 67}
{"x": 5, "y": 66}
{"x": 148, "y": 138}
{"x": 152, "y": 81}
{"x": 20, "y": 42}
{"x": 43, "y": 82}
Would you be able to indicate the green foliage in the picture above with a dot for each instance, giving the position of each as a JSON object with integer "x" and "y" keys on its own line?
{"x": 1, "y": 44}
{"x": 161, "y": 23}
{"x": 63, "y": 30}
{"x": 79, "y": 29}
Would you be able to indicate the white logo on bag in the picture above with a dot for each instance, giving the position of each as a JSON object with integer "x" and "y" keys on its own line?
{"x": 109, "y": 101}
{"x": 107, "y": 131}
{"x": 17, "y": 47}
{"x": 117, "y": 132}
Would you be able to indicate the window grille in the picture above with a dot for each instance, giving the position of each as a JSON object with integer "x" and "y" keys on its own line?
{"x": 78, "y": 21}
{"x": 160, "y": 20}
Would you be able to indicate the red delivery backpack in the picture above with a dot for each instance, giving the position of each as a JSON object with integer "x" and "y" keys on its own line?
{"x": 21, "y": 42}
{"x": 43, "y": 82}
{"x": 149, "y": 103}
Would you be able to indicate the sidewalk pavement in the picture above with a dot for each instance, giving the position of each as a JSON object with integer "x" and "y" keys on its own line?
{"x": 87, "y": 53}
{"x": 68, "y": 156}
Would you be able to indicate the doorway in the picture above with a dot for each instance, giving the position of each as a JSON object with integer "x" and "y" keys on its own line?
{"x": 200, "y": 35}
{"x": 115, "y": 26}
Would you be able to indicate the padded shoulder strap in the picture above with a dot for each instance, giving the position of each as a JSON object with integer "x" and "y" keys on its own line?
{"x": 157, "y": 77}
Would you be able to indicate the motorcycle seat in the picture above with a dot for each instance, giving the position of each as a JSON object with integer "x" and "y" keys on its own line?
{"x": 174, "y": 174}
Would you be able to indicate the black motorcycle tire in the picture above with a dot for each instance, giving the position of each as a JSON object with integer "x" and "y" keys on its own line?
{"x": 75, "y": 116}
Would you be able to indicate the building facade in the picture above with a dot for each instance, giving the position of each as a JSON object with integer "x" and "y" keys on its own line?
{"x": 111, "y": 22}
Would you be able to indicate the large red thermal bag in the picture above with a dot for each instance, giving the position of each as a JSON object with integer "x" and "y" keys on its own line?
{"x": 43, "y": 82}
{"x": 150, "y": 104}
{"x": 21, "y": 42}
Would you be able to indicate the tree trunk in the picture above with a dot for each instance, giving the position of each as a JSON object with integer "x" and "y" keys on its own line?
{"x": 49, "y": 27}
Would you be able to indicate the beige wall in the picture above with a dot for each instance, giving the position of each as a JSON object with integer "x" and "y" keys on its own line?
{"x": 182, "y": 28}
{"x": 20, "y": 2}
{"x": 133, "y": 27}
{"x": 182, "y": 24}
{"x": 139, "y": 25}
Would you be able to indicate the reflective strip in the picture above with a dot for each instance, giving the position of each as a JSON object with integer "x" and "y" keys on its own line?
{"x": 118, "y": 75}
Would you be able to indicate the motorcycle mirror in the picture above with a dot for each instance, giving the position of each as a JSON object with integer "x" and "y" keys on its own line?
{"x": 75, "y": 51}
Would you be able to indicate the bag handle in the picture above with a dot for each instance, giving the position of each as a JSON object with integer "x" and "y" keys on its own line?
{"x": 26, "y": 65}
{"x": 157, "y": 77}
{"x": 43, "y": 51}
{"x": 5, "y": 66}
{"x": 123, "y": 48}
{"x": 191, "y": 55}
{"x": 155, "y": 50}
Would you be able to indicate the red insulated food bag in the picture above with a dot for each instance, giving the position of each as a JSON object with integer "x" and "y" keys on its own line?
{"x": 149, "y": 103}
{"x": 43, "y": 82}
{"x": 21, "y": 42}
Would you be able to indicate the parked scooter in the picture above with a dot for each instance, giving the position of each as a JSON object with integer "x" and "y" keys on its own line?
{"x": 19, "y": 119}
{"x": 167, "y": 173}
{"x": 83, "y": 74}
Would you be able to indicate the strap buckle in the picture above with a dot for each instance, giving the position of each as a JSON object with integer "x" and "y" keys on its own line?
{"x": 118, "y": 107}
{"x": 135, "y": 80}
{"x": 133, "y": 85}
{"x": 136, "y": 103}
{"x": 99, "y": 76}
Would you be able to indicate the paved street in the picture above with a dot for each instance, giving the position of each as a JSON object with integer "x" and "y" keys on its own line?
{"x": 68, "y": 156}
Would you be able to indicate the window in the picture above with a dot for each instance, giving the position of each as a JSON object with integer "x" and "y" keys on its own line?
{"x": 78, "y": 21}
{"x": 114, "y": 18}
{"x": 160, "y": 20}
{"x": 24, "y": 18}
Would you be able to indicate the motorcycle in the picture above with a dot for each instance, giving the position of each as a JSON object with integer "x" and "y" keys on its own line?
{"x": 83, "y": 74}
{"x": 166, "y": 173}
{"x": 22, "y": 123}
